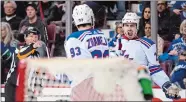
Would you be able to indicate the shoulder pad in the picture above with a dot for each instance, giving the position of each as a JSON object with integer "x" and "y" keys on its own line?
{"x": 145, "y": 41}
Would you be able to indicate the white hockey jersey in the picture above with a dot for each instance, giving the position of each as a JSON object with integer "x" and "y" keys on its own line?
{"x": 87, "y": 44}
{"x": 143, "y": 51}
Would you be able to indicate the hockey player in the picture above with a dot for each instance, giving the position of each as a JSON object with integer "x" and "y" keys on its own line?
{"x": 143, "y": 51}
{"x": 87, "y": 42}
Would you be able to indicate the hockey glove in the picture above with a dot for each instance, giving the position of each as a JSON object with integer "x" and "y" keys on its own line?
{"x": 171, "y": 90}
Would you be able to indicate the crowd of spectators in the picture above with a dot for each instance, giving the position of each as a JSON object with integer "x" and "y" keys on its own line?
{"x": 17, "y": 16}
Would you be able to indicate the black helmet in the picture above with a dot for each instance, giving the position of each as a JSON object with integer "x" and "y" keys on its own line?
{"x": 33, "y": 30}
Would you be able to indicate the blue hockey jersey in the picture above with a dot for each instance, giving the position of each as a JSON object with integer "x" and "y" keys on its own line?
{"x": 179, "y": 73}
{"x": 179, "y": 45}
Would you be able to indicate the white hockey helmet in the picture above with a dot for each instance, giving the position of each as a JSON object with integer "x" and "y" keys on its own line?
{"x": 131, "y": 17}
{"x": 83, "y": 14}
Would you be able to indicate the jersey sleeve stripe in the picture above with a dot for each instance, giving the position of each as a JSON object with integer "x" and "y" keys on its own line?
{"x": 146, "y": 43}
{"x": 155, "y": 71}
{"x": 83, "y": 35}
{"x": 155, "y": 66}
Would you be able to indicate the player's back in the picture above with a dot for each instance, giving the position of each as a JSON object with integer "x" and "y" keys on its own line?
{"x": 87, "y": 44}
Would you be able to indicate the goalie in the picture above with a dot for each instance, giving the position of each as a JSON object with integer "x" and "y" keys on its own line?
{"x": 143, "y": 51}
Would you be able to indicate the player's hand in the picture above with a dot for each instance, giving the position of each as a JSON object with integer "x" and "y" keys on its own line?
{"x": 37, "y": 44}
{"x": 171, "y": 90}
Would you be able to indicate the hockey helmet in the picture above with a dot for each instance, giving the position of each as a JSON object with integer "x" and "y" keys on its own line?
{"x": 131, "y": 17}
{"x": 33, "y": 30}
{"x": 83, "y": 14}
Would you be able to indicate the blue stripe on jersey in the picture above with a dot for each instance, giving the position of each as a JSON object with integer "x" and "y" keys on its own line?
{"x": 147, "y": 42}
{"x": 82, "y": 34}
{"x": 156, "y": 71}
{"x": 74, "y": 35}
{"x": 155, "y": 66}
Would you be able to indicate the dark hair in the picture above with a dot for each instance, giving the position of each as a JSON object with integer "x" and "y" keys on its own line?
{"x": 83, "y": 25}
{"x": 144, "y": 11}
{"x": 32, "y": 5}
{"x": 147, "y": 23}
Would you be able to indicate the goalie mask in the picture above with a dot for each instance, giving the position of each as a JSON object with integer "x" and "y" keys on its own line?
{"x": 83, "y": 14}
{"x": 130, "y": 25}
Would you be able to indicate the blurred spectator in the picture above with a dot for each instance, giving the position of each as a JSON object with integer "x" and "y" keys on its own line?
{"x": 144, "y": 19}
{"x": 5, "y": 56}
{"x": 21, "y": 6}
{"x": 183, "y": 27}
{"x": 99, "y": 13}
{"x": 142, "y": 5}
{"x": 119, "y": 33}
{"x": 7, "y": 36}
{"x": 59, "y": 8}
{"x": 10, "y": 43}
{"x": 179, "y": 8}
{"x": 10, "y": 14}
{"x": 51, "y": 11}
{"x": 110, "y": 8}
{"x": 33, "y": 20}
{"x": 177, "y": 46}
{"x": 160, "y": 42}
{"x": 168, "y": 22}
{"x": 120, "y": 9}
{"x": 5, "y": 52}
{"x": 178, "y": 75}
{"x": 115, "y": 43}
{"x": 147, "y": 30}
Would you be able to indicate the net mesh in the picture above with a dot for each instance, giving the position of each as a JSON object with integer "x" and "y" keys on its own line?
{"x": 109, "y": 80}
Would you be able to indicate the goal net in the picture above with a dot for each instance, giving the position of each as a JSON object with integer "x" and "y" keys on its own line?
{"x": 110, "y": 79}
